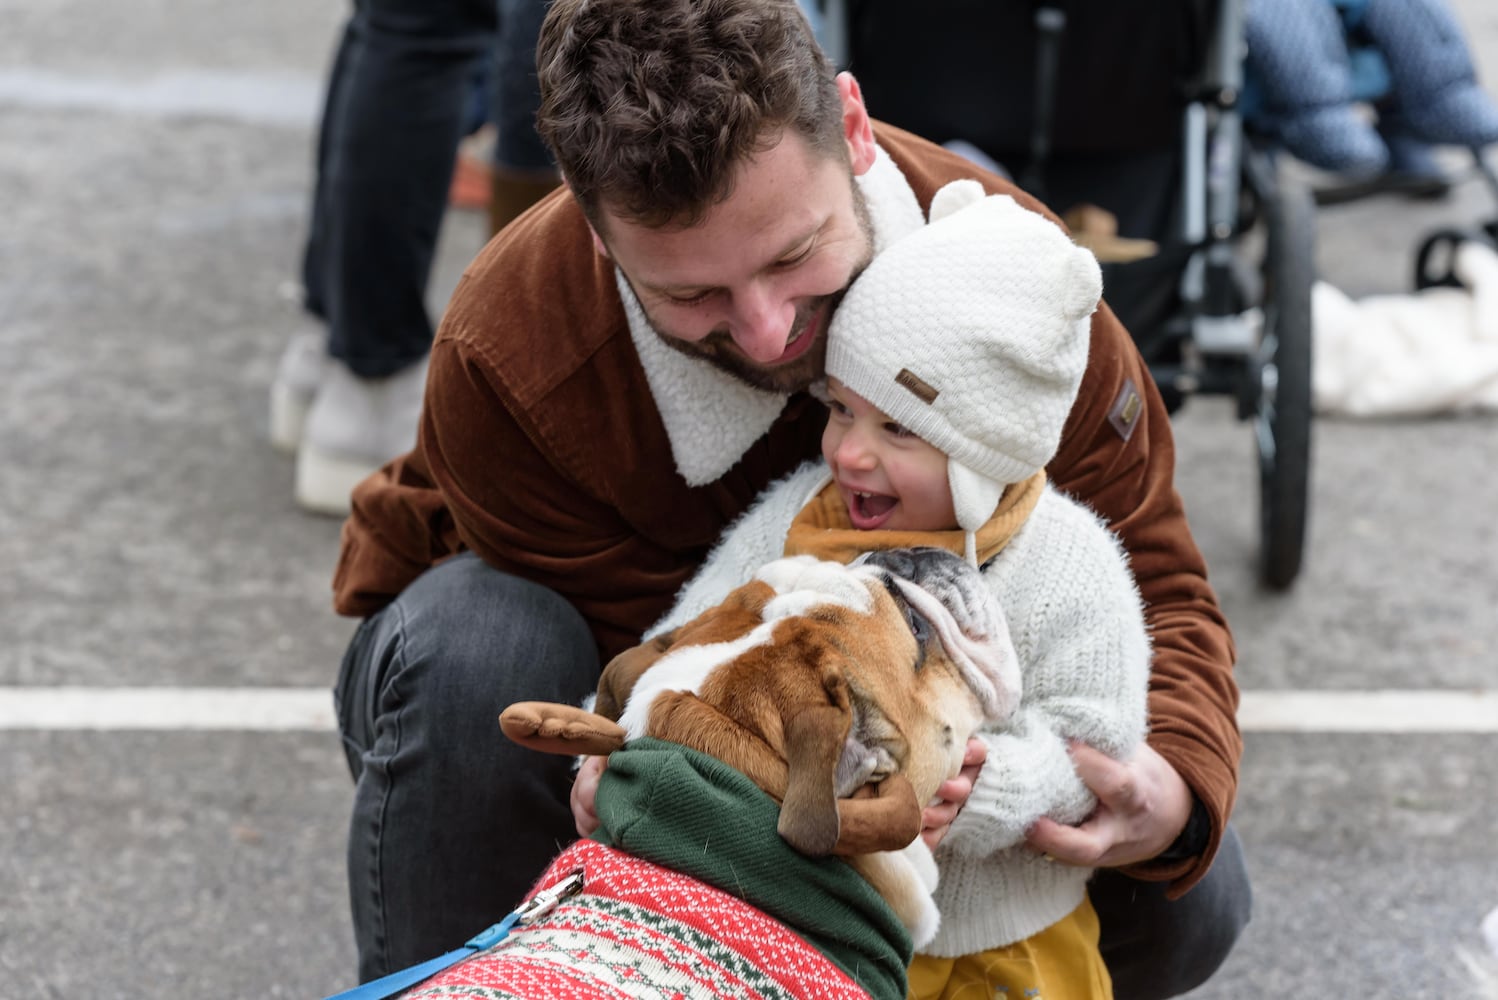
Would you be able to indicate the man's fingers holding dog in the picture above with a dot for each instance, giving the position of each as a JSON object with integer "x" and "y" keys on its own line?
{"x": 936, "y": 819}
{"x": 584, "y": 792}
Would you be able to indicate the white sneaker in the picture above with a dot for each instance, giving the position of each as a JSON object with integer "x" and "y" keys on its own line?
{"x": 291, "y": 393}
{"x": 355, "y": 426}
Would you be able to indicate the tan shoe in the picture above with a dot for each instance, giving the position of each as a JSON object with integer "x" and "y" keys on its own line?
{"x": 514, "y": 191}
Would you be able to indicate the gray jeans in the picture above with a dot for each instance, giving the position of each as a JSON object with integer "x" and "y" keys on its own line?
{"x": 452, "y": 822}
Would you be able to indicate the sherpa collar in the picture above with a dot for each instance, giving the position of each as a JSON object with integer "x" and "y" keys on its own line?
{"x": 694, "y": 814}
{"x": 711, "y": 417}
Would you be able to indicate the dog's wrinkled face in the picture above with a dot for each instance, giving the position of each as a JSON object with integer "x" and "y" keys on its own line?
{"x": 965, "y": 673}
{"x": 817, "y": 678}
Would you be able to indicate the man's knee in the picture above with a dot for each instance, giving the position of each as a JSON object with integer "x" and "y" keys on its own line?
{"x": 518, "y": 634}
{"x": 1157, "y": 948}
{"x": 461, "y": 643}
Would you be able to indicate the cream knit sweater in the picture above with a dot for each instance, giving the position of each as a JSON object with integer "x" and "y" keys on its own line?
{"x": 1078, "y": 627}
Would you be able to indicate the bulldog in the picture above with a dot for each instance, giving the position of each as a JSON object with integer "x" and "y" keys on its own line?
{"x": 810, "y": 714}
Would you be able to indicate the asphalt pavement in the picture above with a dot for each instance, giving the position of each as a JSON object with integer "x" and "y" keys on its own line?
{"x": 155, "y": 167}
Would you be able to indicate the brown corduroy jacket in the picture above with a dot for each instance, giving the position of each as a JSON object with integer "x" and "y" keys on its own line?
{"x": 541, "y": 449}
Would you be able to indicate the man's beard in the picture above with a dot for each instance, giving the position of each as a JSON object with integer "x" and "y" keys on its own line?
{"x": 719, "y": 350}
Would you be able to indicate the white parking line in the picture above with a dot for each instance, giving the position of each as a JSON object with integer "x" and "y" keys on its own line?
{"x": 1369, "y": 712}
{"x": 161, "y": 708}
{"x": 261, "y": 709}
{"x": 264, "y": 98}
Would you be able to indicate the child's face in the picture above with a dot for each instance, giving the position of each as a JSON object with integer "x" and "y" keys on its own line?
{"x": 888, "y": 477}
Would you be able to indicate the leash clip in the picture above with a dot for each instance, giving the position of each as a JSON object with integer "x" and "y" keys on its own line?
{"x": 546, "y": 900}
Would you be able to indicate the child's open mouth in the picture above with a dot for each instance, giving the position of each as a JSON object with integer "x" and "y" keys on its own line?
{"x": 869, "y": 510}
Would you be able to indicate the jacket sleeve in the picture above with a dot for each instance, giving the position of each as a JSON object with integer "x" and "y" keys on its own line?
{"x": 1084, "y": 660}
{"x": 1117, "y": 456}
{"x": 519, "y": 512}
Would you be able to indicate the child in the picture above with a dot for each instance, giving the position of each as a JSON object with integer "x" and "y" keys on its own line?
{"x": 952, "y": 364}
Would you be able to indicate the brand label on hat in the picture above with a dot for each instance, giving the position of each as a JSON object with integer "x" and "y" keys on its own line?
{"x": 1126, "y": 409}
{"x": 923, "y": 390}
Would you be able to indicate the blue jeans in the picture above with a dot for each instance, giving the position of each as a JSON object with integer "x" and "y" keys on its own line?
{"x": 391, "y": 123}
{"x": 452, "y": 823}
{"x": 1157, "y": 948}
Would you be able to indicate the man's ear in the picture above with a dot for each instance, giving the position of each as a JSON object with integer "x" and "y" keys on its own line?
{"x": 858, "y": 130}
{"x": 598, "y": 244}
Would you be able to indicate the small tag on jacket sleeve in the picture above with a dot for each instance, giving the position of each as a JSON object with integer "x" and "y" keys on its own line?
{"x": 1124, "y": 415}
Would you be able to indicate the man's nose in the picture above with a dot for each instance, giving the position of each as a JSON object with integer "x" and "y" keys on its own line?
{"x": 761, "y": 322}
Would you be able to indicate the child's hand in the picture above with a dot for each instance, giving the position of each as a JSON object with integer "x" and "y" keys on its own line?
{"x": 937, "y": 819}
{"x": 584, "y": 792}
{"x": 1143, "y": 805}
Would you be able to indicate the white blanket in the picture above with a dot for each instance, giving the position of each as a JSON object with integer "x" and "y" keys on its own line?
{"x": 1433, "y": 351}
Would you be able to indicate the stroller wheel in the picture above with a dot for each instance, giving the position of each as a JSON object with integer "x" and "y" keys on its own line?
{"x": 1282, "y": 418}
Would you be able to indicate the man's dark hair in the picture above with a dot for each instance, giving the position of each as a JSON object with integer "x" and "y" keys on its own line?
{"x": 649, "y": 106}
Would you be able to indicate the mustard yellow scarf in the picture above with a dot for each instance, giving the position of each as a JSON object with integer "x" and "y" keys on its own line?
{"x": 822, "y": 527}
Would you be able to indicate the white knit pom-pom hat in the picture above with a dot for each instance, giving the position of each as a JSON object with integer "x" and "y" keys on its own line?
{"x": 972, "y": 332}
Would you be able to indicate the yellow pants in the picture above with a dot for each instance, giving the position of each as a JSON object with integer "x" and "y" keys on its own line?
{"x": 1062, "y": 962}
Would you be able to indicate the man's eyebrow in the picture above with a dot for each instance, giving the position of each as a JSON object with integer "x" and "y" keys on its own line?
{"x": 678, "y": 290}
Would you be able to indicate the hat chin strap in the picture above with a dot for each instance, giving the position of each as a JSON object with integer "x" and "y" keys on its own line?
{"x": 974, "y": 499}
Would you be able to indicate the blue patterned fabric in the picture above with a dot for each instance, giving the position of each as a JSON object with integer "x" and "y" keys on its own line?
{"x": 1408, "y": 58}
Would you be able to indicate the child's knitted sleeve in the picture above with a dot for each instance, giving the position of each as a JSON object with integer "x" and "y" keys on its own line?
{"x": 1078, "y": 628}
{"x": 756, "y": 538}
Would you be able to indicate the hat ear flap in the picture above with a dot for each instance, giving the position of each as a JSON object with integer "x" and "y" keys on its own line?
{"x": 974, "y": 496}
{"x": 956, "y": 196}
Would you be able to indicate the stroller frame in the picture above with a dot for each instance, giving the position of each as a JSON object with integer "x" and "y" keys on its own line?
{"x": 1248, "y": 335}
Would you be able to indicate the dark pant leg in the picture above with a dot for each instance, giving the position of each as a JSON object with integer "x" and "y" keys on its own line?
{"x": 314, "y": 253}
{"x": 391, "y": 128}
{"x": 1157, "y": 948}
{"x": 516, "y": 92}
{"x": 452, "y": 823}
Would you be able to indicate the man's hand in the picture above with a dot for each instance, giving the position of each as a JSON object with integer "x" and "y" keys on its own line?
{"x": 1143, "y": 806}
{"x": 937, "y": 819}
{"x": 584, "y": 791}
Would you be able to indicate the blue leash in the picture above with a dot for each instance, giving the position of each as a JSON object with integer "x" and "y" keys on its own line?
{"x": 538, "y": 905}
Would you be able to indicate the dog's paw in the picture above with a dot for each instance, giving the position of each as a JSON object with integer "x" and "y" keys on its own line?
{"x": 561, "y": 729}
{"x": 895, "y": 877}
{"x": 918, "y": 910}
{"x": 924, "y": 923}
{"x": 923, "y": 863}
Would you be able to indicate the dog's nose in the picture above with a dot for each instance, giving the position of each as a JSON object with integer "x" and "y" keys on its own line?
{"x": 922, "y": 566}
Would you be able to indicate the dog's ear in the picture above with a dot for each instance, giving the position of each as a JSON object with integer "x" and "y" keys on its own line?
{"x": 878, "y": 817}
{"x": 563, "y": 729}
{"x": 814, "y": 738}
{"x": 619, "y": 677}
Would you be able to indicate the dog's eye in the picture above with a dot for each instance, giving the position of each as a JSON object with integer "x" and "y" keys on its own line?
{"x": 921, "y": 629}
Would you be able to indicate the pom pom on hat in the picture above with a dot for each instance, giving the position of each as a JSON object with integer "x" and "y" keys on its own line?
{"x": 972, "y": 332}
